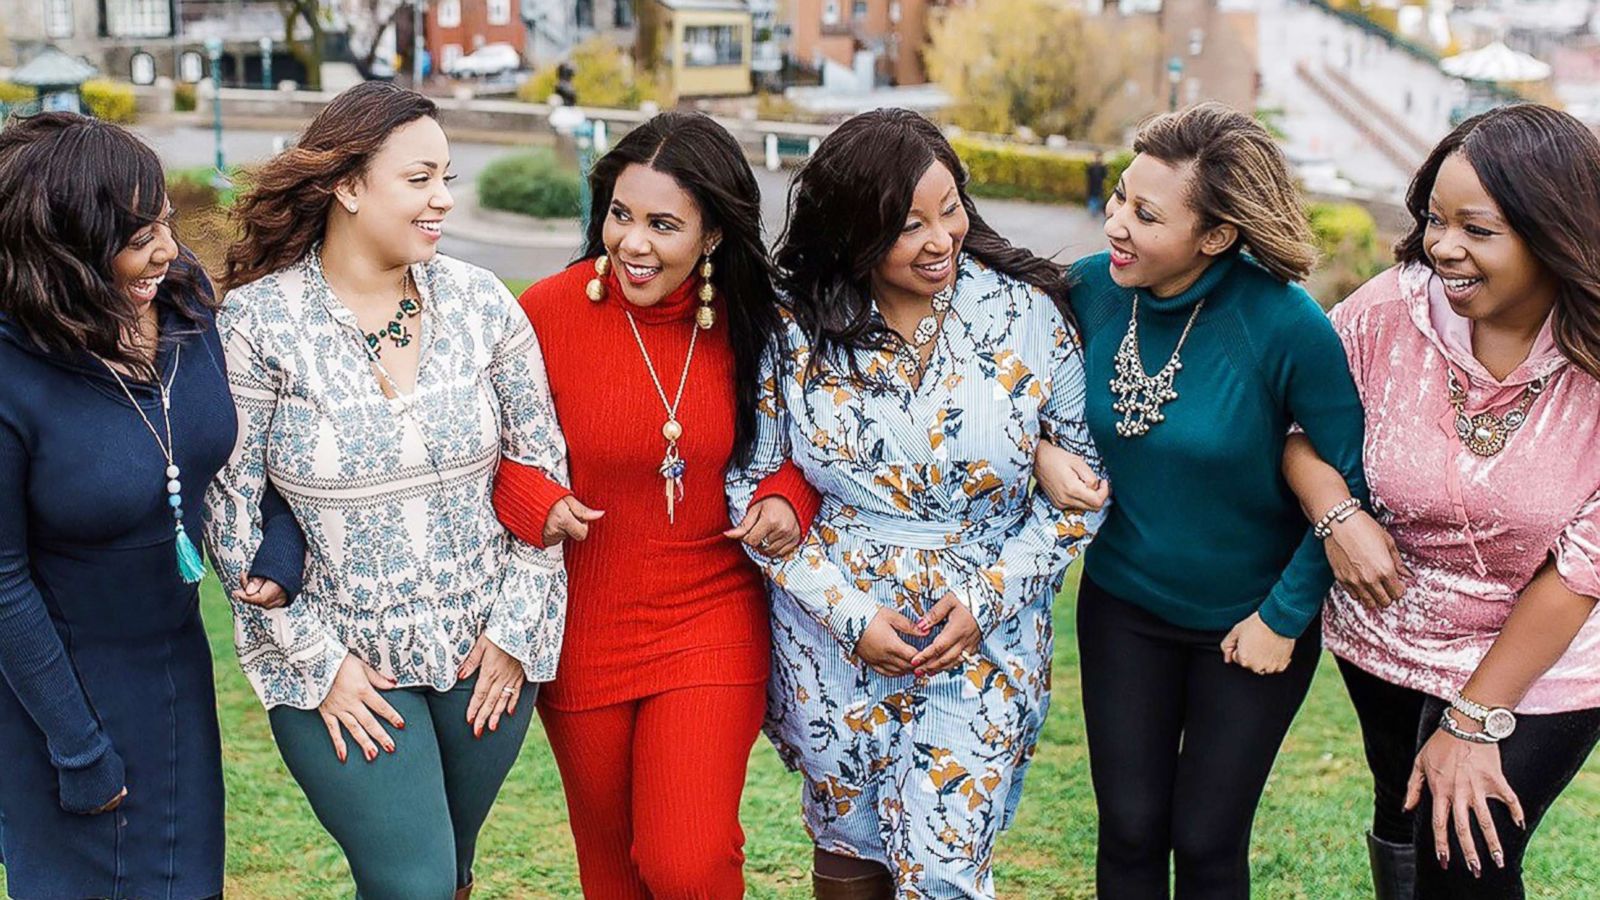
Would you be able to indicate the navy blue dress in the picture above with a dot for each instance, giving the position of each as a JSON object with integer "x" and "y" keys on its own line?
{"x": 107, "y": 672}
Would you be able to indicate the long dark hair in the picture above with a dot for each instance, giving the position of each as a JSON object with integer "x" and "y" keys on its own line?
{"x": 1239, "y": 178}
{"x": 284, "y": 211}
{"x": 847, "y": 208}
{"x": 75, "y": 191}
{"x": 1542, "y": 167}
{"x": 706, "y": 161}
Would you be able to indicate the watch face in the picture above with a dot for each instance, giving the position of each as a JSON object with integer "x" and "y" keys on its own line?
{"x": 1500, "y": 723}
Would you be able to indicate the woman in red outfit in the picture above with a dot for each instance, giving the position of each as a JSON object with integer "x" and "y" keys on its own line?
{"x": 651, "y": 342}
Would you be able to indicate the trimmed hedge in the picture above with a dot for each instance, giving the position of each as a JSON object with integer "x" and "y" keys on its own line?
{"x": 111, "y": 101}
{"x": 1022, "y": 172}
{"x": 532, "y": 183}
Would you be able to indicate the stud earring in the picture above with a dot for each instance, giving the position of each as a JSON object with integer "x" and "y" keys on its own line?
{"x": 706, "y": 317}
{"x": 597, "y": 285}
{"x": 351, "y": 207}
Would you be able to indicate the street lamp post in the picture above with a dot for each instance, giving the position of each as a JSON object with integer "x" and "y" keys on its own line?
{"x": 1174, "y": 76}
{"x": 214, "y": 50}
{"x": 419, "y": 20}
{"x": 266, "y": 63}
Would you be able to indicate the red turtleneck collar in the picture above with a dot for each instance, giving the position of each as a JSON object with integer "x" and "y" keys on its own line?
{"x": 678, "y": 306}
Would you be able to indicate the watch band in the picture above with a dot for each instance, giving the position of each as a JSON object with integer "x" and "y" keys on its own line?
{"x": 1474, "y": 711}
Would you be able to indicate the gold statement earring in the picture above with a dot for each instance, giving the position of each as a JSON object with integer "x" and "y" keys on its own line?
{"x": 597, "y": 285}
{"x": 705, "y": 316}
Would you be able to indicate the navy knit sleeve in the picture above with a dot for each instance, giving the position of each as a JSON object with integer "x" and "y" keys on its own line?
{"x": 34, "y": 662}
{"x": 281, "y": 558}
{"x": 1306, "y": 365}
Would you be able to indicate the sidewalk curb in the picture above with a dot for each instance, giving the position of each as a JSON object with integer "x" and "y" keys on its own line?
{"x": 469, "y": 222}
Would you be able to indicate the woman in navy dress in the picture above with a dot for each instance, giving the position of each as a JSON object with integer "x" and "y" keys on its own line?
{"x": 114, "y": 415}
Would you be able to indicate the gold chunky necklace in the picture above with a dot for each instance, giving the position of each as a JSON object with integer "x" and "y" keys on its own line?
{"x": 1486, "y": 434}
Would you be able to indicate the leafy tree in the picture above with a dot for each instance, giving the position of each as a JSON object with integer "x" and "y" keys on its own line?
{"x": 1044, "y": 66}
{"x": 603, "y": 76}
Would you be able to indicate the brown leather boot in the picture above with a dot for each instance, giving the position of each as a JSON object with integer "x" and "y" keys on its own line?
{"x": 877, "y": 886}
{"x": 464, "y": 893}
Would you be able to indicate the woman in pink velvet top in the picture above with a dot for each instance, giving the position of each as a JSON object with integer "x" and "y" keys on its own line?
{"x": 1462, "y": 617}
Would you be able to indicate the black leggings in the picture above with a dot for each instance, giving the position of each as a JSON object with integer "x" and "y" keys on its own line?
{"x": 1539, "y": 760}
{"x": 1180, "y": 746}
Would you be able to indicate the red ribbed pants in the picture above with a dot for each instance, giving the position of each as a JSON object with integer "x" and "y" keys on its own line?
{"x": 653, "y": 789}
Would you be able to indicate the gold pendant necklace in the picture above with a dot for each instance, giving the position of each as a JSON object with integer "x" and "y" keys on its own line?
{"x": 672, "y": 465}
{"x": 1486, "y": 434}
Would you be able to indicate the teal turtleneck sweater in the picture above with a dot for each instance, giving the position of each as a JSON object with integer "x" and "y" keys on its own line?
{"x": 1203, "y": 528}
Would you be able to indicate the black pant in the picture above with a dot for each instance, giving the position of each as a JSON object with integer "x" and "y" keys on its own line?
{"x": 1180, "y": 745}
{"x": 1539, "y": 760}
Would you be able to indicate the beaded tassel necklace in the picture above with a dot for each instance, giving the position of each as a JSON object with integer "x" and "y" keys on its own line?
{"x": 190, "y": 566}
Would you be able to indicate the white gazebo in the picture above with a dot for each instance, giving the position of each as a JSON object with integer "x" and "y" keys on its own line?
{"x": 1495, "y": 64}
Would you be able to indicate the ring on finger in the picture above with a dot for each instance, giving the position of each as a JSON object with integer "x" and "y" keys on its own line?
{"x": 508, "y": 690}
{"x": 968, "y": 657}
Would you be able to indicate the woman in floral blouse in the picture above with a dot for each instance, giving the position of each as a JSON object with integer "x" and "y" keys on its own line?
{"x": 378, "y": 385}
{"x": 922, "y": 360}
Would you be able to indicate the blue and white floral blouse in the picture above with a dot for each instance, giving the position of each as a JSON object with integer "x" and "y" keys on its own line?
{"x": 406, "y": 564}
{"x": 926, "y": 490}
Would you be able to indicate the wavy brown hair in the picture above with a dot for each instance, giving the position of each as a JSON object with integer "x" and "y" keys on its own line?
{"x": 1238, "y": 177}
{"x": 284, "y": 211}
{"x": 1542, "y": 168}
{"x": 75, "y": 191}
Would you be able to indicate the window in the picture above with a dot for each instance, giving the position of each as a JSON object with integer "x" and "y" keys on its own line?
{"x": 713, "y": 45}
{"x": 830, "y": 12}
{"x": 858, "y": 10}
{"x": 894, "y": 11}
{"x": 138, "y": 18}
{"x": 499, "y": 12}
{"x": 622, "y": 14}
{"x": 449, "y": 15}
{"x": 58, "y": 18}
{"x": 583, "y": 14}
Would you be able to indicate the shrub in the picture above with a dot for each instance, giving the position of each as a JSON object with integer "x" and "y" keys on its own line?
{"x": 603, "y": 76}
{"x": 1031, "y": 173}
{"x": 532, "y": 183}
{"x": 15, "y": 93}
{"x": 1348, "y": 238}
{"x": 112, "y": 101}
{"x": 183, "y": 98}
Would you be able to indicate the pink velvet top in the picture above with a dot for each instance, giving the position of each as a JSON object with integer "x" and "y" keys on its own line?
{"x": 1474, "y": 530}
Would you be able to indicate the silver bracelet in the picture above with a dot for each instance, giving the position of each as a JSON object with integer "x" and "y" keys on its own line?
{"x": 1448, "y": 724}
{"x": 1342, "y": 510}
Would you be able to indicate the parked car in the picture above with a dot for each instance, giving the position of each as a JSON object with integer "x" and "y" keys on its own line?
{"x": 490, "y": 59}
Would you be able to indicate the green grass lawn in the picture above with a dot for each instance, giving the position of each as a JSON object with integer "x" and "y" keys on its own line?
{"x": 1307, "y": 839}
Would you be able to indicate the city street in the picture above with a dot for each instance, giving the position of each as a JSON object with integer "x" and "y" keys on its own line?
{"x": 1293, "y": 32}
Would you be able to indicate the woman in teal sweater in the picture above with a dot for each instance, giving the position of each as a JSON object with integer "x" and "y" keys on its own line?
{"x": 1197, "y": 617}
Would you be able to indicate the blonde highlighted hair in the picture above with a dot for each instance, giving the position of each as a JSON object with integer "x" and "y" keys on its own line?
{"x": 1238, "y": 177}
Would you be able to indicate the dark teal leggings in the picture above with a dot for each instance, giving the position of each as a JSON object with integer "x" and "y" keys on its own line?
{"x": 408, "y": 821}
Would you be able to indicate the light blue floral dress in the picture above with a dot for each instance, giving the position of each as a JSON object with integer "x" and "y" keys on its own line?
{"x": 926, "y": 490}
{"x": 406, "y": 563}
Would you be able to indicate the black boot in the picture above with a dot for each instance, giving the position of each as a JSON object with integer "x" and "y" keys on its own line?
{"x": 877, "y": 886}
{"x": 1394, "y": 869}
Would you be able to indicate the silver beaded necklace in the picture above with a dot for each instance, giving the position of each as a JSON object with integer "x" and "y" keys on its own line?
{"x": 1140, "y": 396}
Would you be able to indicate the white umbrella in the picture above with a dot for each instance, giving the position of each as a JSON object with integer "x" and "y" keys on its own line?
{"x": 1496, "y": 63}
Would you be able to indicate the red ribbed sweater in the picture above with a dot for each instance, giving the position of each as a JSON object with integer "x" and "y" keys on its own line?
{"x": 651, "y": 606}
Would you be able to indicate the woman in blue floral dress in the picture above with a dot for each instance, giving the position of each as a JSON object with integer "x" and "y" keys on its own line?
{"x": 922, "y": 360}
